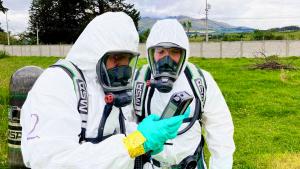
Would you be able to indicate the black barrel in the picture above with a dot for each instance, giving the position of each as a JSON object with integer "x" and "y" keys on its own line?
{"x": 20, "y": 84}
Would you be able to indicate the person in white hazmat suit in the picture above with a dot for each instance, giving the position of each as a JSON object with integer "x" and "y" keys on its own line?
{"x": 168, "y": 72}
{"x": 65, "y": 121}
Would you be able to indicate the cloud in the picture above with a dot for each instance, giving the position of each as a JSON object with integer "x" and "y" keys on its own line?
{"x": 255, "y": 13}
{"x": 17, "y": 21}
{"x": 17, "y": 5}
{"x": 158, "y": 8}
{"x": 269, "y": 13}
{"x": 17, "y": 15}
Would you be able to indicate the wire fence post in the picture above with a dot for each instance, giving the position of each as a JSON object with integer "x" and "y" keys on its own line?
{"x": 40, "y": 50}
{"x": 60, "y": 50}
{"x": 201, "y": 49}
{"x": 287, "y": 47}
{"x": 21, "y": 50}
{"x": 264, "y": 46}
{"x": 221, "y": 49}
{"x": 242, "y": 48}
{"x": 49, "y": 50}
{"x": 12, "y": 49}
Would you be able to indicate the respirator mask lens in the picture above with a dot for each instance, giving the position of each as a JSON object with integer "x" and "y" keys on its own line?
{"x": 115, "y": 74}
{"x": 166, "y": 60}
{"x": 118, "y": 69}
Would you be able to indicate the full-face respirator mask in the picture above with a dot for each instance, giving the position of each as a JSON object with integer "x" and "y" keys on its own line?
{"x": 166, "y": 62}
{"x": 114, "y": 71}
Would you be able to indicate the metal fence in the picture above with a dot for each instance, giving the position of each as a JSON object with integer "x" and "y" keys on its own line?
{"x": 200, "y": 49}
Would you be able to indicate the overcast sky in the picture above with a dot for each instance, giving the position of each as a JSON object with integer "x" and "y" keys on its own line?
{"x": 261, "y": 14}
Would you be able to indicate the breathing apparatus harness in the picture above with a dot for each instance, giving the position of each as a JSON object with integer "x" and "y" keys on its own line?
{"x": 82, "y": 96}
{"x": 143, "y": 92}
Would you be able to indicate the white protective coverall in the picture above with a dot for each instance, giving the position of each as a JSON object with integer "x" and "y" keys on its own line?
{"x": 50, "y": 120}
{"x": 216, "y": 118}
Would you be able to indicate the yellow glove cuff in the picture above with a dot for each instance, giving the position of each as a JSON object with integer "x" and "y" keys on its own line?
{"x": 134, "y": 144}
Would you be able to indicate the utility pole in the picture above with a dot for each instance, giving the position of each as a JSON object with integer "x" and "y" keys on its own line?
{"x": 207, "y": 7}
{"x": 8, "y": 42}
{"x": 37, "y": 33}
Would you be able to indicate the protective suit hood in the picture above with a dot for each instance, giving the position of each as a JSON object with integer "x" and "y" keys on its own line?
{"x": 171, "y": 31}
{"x": 111, "y": 31}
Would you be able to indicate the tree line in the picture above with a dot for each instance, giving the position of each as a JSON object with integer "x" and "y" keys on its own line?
{"x": 62, "y": 21}
{"x": 3, "y": 10}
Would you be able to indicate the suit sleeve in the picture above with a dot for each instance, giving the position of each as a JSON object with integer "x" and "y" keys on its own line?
{"x": 218, "y": 126}
{"x": 51, "y": 125}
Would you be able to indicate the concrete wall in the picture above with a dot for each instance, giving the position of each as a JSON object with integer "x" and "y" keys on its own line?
{"x": 203, "y": 49}
{"x": 36, "y": 50}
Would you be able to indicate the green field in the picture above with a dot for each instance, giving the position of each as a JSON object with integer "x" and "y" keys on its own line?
{"x": 265, "y": 107}
{"x": 251, "y": 36}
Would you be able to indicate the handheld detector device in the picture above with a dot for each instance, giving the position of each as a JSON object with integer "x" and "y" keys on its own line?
{"x": 177, "y": 105}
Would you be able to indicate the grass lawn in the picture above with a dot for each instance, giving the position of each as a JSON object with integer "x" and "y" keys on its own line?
{"x": 265, "y": 107}
{"x": 292, "y": 35}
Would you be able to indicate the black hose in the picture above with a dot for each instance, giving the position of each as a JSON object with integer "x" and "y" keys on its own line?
{"x": 106, "y": 112}
{"x": 194, "y": 119}
{"x": 122, "y": 122}
{"x": 195, "y": 116}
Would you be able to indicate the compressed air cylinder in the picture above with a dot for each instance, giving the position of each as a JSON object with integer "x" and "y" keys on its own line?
{"x": 20, "y": 84}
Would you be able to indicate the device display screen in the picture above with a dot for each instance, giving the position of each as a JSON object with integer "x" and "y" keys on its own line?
{"x": 177, "y": 105}
{"x": 170, "y": 110}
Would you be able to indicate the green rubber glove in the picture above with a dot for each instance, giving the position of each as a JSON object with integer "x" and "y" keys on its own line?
{"x": 161, "y": 147}
{"x": 187, "y": 112}
{"x": 157, "y": 132}
{"x": 157, "y": 150}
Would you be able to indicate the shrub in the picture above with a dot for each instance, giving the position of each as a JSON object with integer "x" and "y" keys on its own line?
{"x": 3, "y": 54}
{"x": 270, "y": 62}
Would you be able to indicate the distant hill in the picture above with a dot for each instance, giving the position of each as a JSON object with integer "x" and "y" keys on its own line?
{"x": 286, "y": 29}
{"x": 197, "y": 25}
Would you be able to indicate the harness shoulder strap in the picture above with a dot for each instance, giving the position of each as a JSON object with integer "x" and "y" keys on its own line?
{"x": 140, "y": 89}
{"x": 196, "y": 78}
{"x": 198, "y": 83}
{"x": 80, "y": 88}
